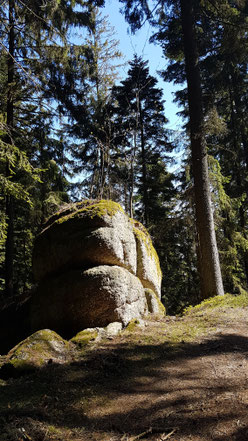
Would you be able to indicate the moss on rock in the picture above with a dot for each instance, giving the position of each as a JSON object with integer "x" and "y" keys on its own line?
{"x": 132, "y": 325}
{"x": 82, "y": 239}
{"x": 84, "y": 337}
{"x": 148, "y": 266}
{"x": 142, "y": 234}
{"x": 91, "y": 209}
{"x": 38, "y": 350}
{"x": 155, "y": 306}
{"x": 147, "y": 241}
{"x": 90, "y": 233}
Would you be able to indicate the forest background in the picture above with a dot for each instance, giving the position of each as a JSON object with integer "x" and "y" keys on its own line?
{"x": 70, "y": 128}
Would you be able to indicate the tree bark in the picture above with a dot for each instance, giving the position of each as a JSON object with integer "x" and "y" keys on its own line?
{"x": 133, "y": 154}
{"x": 209, "y": 265}
{"x": 9, "y": 245}
{"x": 143, "y": 156}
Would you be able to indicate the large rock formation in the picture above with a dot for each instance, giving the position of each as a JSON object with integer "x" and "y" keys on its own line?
{"x": 92, "y": 264}
{"x": 86, "y": 234}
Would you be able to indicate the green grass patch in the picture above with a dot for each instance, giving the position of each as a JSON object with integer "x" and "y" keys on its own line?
{"x": 226, "y": 301}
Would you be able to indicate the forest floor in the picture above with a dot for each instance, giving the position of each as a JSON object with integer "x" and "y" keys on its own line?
{"x": 178, "y": 379}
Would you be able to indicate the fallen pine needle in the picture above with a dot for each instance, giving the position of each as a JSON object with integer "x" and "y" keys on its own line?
{"x": 164, "y": 437}
{"x": 141, "y": 435}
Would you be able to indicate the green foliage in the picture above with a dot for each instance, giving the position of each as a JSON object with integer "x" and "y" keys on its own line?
{"x": 141, "y": 138}
{"x": 232, "y": 243}
{"x": 221, "y": 28}
{"x": 33, "y": 162}
{"x": 93, "y": 156}
{"x": 16, "y": 161}
{"x": 70, "y": 121}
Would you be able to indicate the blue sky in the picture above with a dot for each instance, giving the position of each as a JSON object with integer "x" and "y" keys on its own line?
{"x": 139, "y": 43}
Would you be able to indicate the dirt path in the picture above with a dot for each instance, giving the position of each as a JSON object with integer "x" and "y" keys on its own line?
{"x": 200, "y": 393}
{"x": 143, "y": 385}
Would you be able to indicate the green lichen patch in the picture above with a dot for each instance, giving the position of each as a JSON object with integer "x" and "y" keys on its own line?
{"x": 83, "y": 338}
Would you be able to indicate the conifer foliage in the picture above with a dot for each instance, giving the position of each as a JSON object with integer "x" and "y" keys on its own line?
{"x": 141, "y": 135}
{"x": 204, "y": 42}
{"x": 73, "y": 125}
{"x": 34, "y": 40}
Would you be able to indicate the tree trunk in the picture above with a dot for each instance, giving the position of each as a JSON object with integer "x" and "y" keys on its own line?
{"x": 143, "y": 156}
{"x": 209, "y": 266}
{"x": 9, "y": 246}
{"x": 133, "y": 154}
{"x": 242, "y": 224}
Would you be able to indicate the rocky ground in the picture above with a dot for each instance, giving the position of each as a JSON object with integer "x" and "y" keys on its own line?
{"x": 178, "y": 379}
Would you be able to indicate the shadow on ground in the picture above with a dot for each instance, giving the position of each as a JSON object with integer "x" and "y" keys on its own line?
{"x": 193, "y": 391}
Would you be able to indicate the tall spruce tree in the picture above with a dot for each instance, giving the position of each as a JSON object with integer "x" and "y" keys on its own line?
{"x": 222, "y": 59}
{"x": 140, "y": 123}
{"x": 228, "y": 78}
{"x": 208, "y": 258}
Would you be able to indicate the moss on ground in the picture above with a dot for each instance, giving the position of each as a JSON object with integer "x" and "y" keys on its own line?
{"x": 202, "y": 319}
{"x": 197, "y": 322}
{"x": 227, "y": 301}
{"x": 173, "y": 334}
